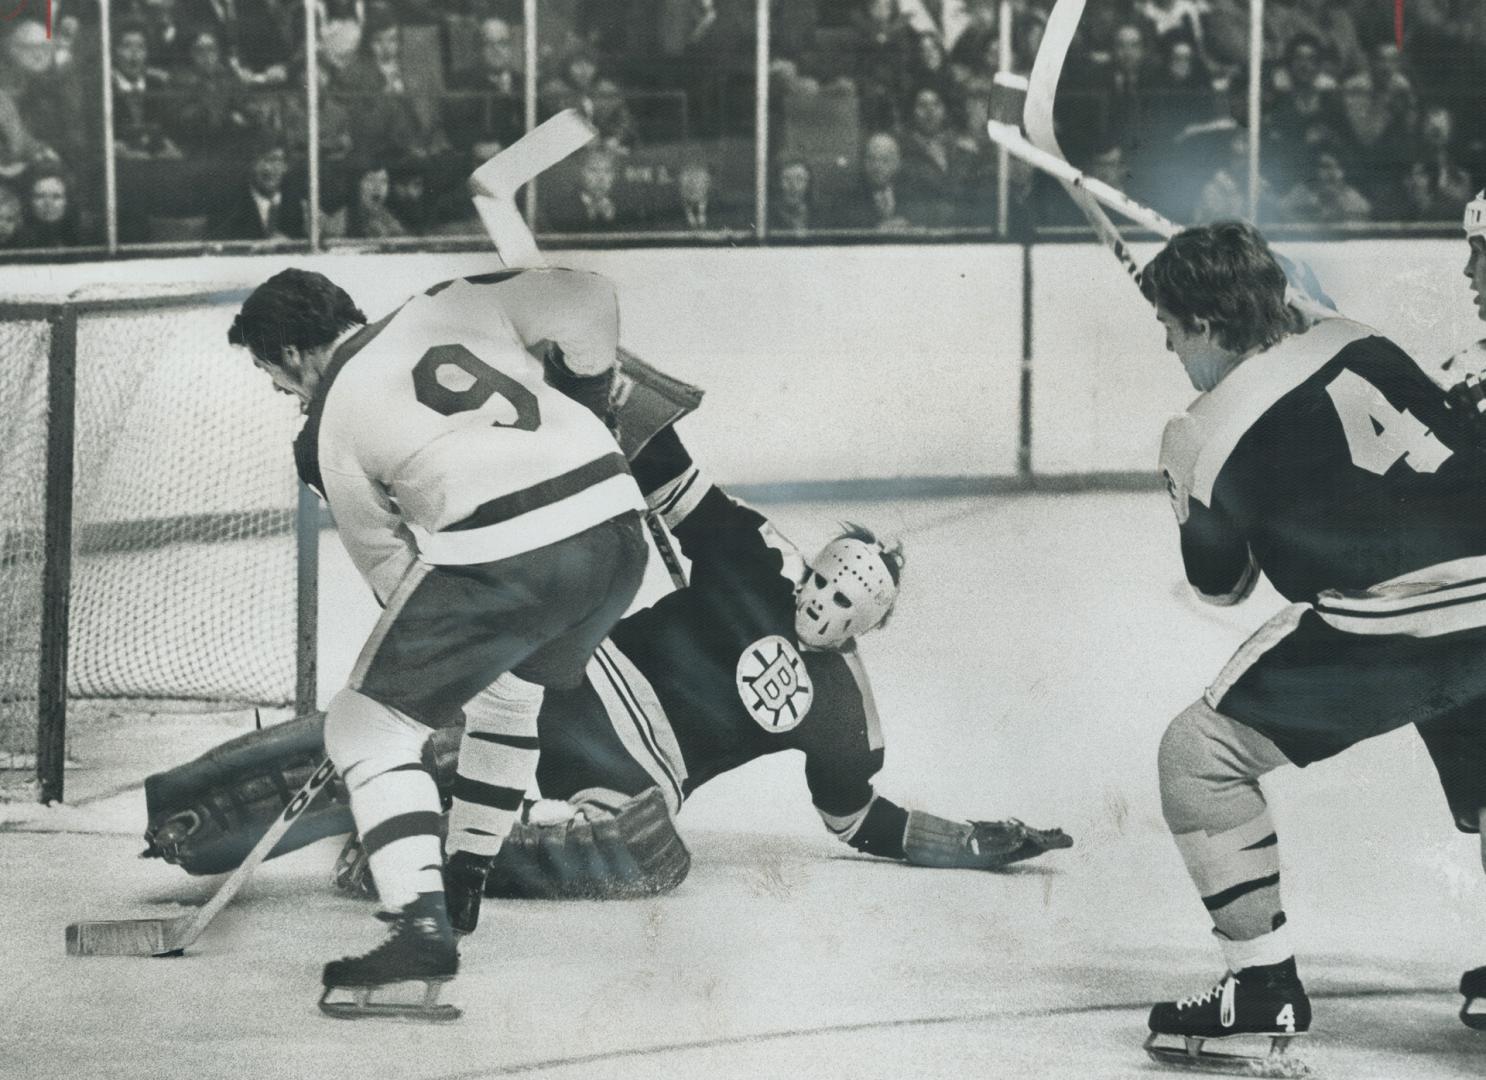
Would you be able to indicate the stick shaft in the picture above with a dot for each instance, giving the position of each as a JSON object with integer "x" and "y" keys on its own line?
{"x": 266, "y": 843}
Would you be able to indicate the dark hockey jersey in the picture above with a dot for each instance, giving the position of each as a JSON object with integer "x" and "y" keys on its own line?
{"x": 721, "y": 659}
{"x": 1333, "y": 464}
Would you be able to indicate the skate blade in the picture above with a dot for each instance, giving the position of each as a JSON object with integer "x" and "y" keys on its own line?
{"x": 1473, "y": 1017}
{"x": 1194, "y": 1058}
{"x": 361, "y": 1006}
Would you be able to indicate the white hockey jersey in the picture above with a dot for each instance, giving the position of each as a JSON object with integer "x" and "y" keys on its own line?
{"x": 437, "y": 437}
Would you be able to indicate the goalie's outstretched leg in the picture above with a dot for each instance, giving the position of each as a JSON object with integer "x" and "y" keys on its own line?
{"x": 419, "y": 949}
{"x": 1263, "y": 1001}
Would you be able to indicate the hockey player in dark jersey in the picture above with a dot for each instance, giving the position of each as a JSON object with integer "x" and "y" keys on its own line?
{"x": 1460, "y": 759}
{"x": 756, "y": 655}
{"x": 1325, "y": 458}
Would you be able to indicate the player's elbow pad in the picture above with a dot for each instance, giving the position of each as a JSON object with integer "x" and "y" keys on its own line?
{"x": 1239, "y": 592}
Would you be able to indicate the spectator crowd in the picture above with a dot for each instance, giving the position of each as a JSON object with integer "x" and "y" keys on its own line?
{"x": 877, "y": 107}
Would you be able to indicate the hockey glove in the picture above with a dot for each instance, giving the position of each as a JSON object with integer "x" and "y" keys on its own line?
{"x": 975, "y": 845}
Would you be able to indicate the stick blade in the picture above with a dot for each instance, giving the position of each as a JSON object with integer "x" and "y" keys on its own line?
{"x": 122, "y": 937}
{"x": 534, "y": 153}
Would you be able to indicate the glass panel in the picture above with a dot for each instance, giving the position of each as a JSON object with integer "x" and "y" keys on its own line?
{"x": 879, "y": 122}
{"x": 672, "y": 93}
{"x": 51, "y": 161}
{"x": 415, "y": 97}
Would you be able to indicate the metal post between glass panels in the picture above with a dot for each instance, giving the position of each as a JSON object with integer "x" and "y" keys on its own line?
{"x": 110, "y": 167}
{"x": 761, "y": 122}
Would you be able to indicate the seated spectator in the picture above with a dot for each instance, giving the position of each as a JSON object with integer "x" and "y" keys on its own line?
{"x": 257, "y": 36}
{"x": 980, "y": 202}
{"x": 1306, "y": 113}
{"x": 390, "y": 120}
{"x": 1379, "y": 102}
{"x": 612, "y": 116}
{"x": 169, "y": 44}
{"x": 52, "y": 219}
{"x": 33, "y": 98}
{"x": 292, "y": 121}
{"x": 591, "y": 207}
{"x": 878, "y": 202}
{"x": 1436, "y": 151}
{"x": 696, "y": 209}
{"x": 1225, "y": 196}
{"x": 929, "y": 66}
{"x": 935, "y": 163}
{"x": 340, "y": 31}
{"x": 1419, "y": 196}
{"x": 366, "y": 213}
{"x": 881, "y": 49}
{"x": 140, "y": 109}
{"x": 792, "y": 204}
{"x": 1173, "y": 21}
{"x": 1326, "y": 198}
{"x": 12, "y": 218}
{"x": 258, "y": 208}
{"x": 485, "y": 109}
{"x": 1326, "y": 22}
{"x": 409, "y": 197}
{"x": 976, "y": 49}
{"x": 204, "y": 116}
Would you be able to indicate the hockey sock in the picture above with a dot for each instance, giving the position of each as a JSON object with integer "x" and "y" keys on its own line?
{"x": 497, "y": 764}
{"x": 378, "y": 752}
{"x": 1209, "y": 770}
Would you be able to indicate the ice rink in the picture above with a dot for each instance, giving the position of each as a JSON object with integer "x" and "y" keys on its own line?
{"x": 1041, "y": 644}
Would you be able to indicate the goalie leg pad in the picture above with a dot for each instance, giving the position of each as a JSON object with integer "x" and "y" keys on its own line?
{"x": 630, "y": 851}
{"x": 207, "y": 814}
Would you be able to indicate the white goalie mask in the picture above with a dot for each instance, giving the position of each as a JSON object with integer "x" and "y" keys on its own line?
{"x": 848, "y": 589}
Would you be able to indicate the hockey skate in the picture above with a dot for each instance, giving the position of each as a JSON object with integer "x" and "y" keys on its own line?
{"x": 1257, "y": 1001}
{"x": 464, "y": 885}
{"x": 420, "y": 949}
{"x": 1473, "y": 987}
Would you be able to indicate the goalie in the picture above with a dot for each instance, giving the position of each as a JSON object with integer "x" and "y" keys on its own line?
{"x": 755, "y": 656}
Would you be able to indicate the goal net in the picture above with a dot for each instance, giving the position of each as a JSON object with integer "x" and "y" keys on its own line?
{"x": 165, "y": 566}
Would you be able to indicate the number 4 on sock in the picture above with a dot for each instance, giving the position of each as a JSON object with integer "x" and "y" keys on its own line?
{"x": 1377, "y": 433}
{"x": 1286, "y": 1018}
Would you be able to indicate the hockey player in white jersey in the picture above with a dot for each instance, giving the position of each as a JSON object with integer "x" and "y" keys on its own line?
{"x": 498, "y": 525}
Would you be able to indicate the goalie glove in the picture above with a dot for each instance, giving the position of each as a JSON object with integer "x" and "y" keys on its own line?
{"x": 975, "y": 845}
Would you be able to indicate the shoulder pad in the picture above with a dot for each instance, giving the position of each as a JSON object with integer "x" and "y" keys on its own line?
{"x": 1222, "y": 416}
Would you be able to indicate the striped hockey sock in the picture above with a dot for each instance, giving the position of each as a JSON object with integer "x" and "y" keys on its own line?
{"x": 393, "y": 798}
{"x": 497, "y": 765}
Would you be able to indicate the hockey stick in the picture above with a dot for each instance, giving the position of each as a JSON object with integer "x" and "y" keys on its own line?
{"x": 169, "y": 937}
{"x": 493, "y": 188}
{"x": 1037, "y": 119}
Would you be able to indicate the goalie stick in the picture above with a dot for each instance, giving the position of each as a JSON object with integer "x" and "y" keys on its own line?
{"x": 170, "y": 937}
{"x": 493, "y": 188}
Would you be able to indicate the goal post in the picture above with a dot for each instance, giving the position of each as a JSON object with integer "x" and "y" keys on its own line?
{"x": 155, "y": 543}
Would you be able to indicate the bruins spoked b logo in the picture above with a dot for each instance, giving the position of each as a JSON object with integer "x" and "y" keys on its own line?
{"x": 773, "y": 683}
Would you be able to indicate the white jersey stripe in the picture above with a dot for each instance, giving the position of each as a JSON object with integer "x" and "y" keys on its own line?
{"x": 639, "y": 721}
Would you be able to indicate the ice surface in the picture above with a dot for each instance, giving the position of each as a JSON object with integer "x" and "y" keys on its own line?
{"x": 1040, "y": 647}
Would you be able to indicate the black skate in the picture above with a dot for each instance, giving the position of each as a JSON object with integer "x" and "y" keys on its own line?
{"x": 464, "y": 885}
{"x": 420, "y": 949}
{"x": 1265, "y": 1001}
{"x": 1473, "y": 986}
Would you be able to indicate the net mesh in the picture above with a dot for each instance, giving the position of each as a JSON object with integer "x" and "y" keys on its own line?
{"x": 184, "y": 568}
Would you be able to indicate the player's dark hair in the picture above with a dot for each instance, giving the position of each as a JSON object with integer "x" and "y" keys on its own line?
{"x": 294, "y": 307}
{"x": 1226, "y": 275}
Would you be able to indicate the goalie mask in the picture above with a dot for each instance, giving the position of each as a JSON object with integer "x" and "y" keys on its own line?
{"x": 848, "y": 589}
